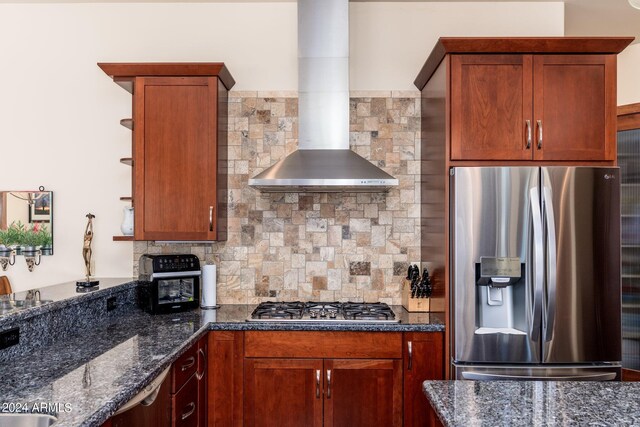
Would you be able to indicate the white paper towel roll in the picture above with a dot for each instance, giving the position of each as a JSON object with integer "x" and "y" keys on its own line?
{"x": 208, "y": 299}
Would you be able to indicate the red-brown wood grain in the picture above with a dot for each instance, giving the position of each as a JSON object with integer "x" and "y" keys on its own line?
{"x": 574, "y": 97}
{"x": 368, "y": 345}
{"x": 175, "y": 158}
{"x": 531, "y": 45}
{"x": 363, "y": 393}
{"x": 225, "y": 378}
{"x": 629, "y": 116}
{"x": 490, "y": 102}
{"x": 127, "y": 71}
{"x": 283, "y": 393}
{"x": 184, "y": 368}
{"x": 184, "y": 404}
{"x": 426, "y": 362}
{"x": 157, "y": 414}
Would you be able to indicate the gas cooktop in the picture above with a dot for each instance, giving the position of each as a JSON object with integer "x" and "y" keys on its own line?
{"x": 296, "y": 311}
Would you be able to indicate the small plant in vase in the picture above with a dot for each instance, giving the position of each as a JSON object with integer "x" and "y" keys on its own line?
{"x": 15, "y": 235}
{"x": 46, "y": 240}
{"x": 31, "y": 239}
{"x": 5, "y": 242}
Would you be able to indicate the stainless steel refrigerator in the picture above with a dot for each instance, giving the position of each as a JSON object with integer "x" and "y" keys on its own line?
{"x": 535, "y": 275}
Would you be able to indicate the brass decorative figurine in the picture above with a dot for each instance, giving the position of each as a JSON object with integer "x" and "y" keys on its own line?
{"x": 86, "y": 254}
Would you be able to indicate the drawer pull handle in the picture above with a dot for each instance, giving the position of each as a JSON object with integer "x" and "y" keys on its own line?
{"x": 529, "y": 134}
{"x": 539, "y": 134}
{"x": 204, "y": 364}
{"x": 190, "y": 411}
{"x": 189, "y": 363}
{"x": 317, "y": 383}
{"x": 410, "y": 352}
{"x": 328, "y": 383}
{"x": 210, "y": 218}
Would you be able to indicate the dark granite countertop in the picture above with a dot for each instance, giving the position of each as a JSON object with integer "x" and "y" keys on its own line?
{"x": 101, "y": 365}
{"x": 535, "y": 403}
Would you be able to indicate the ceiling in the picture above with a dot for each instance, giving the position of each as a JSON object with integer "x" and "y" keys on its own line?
{"x": 582, "y": 17}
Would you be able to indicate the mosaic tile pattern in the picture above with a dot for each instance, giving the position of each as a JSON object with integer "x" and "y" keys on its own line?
{"x": 320, "y": 246}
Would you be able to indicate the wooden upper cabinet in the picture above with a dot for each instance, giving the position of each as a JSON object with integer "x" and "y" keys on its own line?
{"x": 490, "y": 104}
{"x": 179, "y": 148}
{"x": 575, "y": 107}
{"x": 529, "y": 99}
{"x": 175, "y": 158}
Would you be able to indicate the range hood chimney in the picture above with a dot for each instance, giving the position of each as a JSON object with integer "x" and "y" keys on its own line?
{"x": 323, "y": 161}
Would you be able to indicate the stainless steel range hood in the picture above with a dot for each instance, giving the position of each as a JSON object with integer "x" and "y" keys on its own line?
{"x": 323, "y": 161}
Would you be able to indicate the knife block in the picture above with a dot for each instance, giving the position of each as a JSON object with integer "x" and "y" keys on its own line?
{"x": 413, "y": 305}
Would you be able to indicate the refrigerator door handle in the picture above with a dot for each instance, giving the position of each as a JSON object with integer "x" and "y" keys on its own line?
{"x": 538, "y": 258}
{"x": 547, "y": 202}
{"x": 481, "y": 376}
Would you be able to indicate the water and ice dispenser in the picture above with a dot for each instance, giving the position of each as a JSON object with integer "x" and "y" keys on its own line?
{"x": 499, "y": 281}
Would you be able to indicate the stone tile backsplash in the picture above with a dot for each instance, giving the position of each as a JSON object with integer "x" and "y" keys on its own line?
{"x": 315, "y": 246}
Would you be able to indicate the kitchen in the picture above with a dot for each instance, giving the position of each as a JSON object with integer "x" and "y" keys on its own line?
{"x": 365, "y": 262}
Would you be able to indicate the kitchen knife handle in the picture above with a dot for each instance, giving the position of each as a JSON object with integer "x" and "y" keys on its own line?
{"x": 410, "y": 354}
{"x": 529, "y": 134}
{"x": 328, "y": 383}
{"x": 539, "y": 134}
{"x": 210, "y": 218}
{"x": 317, "y": 383}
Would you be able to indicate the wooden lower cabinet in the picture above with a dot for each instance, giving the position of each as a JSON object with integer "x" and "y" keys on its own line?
{"x": 362, "y": 392}
{"x": 225, "y": 378}
{"x": 423, "y": 359}
{"x": 273, "y": 378}
{"x": 283, "y": 392}
{"x": 316, "y": 392}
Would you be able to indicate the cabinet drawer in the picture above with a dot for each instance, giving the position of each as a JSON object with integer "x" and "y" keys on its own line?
{"x": 348, "y": 345}
{"x": 184, "y": 367}
{"x": 185, "y": 405}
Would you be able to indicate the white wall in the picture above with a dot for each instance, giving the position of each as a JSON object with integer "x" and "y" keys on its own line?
{"x": 59, "y": 112}
{"x": 628, "y": 73}
{"x": 391, "y": 41}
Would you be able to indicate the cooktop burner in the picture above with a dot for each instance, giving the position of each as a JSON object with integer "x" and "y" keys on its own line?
{"x": 351, "y": 312}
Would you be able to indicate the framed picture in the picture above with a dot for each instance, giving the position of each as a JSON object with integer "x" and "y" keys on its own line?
{"x": 40, "y": 209}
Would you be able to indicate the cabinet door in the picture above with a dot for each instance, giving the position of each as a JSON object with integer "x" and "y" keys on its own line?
{"x": 362, "y": 392}
{"x": 575, "y": 107}
{"x": 491, "y": 102}
{"x": 283, "y": 392}
{"x": 175, "y": 158}
{"x": 423, "y": 360}
{"x": 225, "y": 378}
